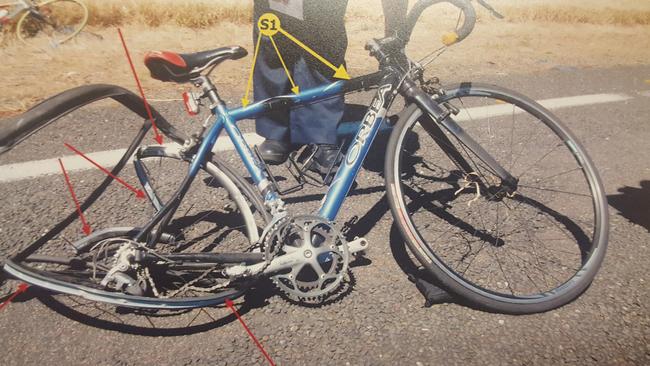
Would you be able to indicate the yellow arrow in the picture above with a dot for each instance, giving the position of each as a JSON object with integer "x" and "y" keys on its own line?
{"x": 245, "y": 100}
{"x": 294, "y": 88}
{"x": 340, "y": 72}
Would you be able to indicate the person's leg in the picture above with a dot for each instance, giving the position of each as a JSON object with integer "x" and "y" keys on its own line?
{"x": 314, "y": 123}
{"x": 324, "y": 31}
{"x": 270, "y": 80}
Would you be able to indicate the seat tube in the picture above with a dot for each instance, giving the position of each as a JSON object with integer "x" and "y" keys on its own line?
{"x": 210, "y": 140}
{"x": 250, "y": 162}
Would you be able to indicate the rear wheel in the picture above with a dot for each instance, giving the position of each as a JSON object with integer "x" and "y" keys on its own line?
{"x": 52, "y": 23}
{"x": 219, "y": 216}
{"x": 519, "y": 252}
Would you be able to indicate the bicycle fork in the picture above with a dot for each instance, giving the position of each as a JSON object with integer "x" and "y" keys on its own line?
{"x": 443, "y": 118}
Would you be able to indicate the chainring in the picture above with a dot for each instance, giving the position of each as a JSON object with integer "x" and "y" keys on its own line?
{"x": 325, "y": 259}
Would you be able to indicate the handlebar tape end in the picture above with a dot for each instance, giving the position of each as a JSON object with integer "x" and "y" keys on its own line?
{"x": 450, "y": 38}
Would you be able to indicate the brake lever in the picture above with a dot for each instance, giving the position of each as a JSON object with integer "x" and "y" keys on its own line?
{"x": 489, "y": 7}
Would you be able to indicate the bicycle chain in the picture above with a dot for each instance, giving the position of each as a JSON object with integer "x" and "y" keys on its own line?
{"x": 269, "y": 256}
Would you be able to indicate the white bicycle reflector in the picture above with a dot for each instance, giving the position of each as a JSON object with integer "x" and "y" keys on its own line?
{"x": 191, "y": 104}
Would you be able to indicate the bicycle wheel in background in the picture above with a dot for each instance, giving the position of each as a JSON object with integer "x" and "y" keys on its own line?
{"x": 531, "y": 251}
{"x": 51, "y": 23}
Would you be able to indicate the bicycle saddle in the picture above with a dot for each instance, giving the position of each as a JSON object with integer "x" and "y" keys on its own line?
{"x": 181, "y": 68}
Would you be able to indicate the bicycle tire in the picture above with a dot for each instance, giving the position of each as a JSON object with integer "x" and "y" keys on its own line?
{"x": 27, "y": 21}
{"x": 480, "y": 292}
{"x": 75, "y": 279}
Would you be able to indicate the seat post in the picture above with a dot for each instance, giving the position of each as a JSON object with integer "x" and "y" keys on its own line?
{"x": 209, "y": 91}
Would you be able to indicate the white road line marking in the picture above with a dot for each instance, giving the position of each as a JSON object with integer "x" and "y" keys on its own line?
{"x": 33, "y": 169}
{"x": 107, "y": 159}
{"x": 498, "y": 110}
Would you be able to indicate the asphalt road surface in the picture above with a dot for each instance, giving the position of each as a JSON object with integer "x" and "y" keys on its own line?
{"x": 382, "y": 321}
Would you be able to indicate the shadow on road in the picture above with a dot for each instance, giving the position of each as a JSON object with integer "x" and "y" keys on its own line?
{"x": 413, "y": 271}
{"x": 633, "y": 203}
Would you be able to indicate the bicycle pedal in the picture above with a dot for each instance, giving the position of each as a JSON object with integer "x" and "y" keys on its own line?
{"x": 357, "y": 246}
{"x": 320, "y": 176}
{"x": 274, "y": 182}
{"x": 432, "y": 293}
{"x": 348, "y": 225}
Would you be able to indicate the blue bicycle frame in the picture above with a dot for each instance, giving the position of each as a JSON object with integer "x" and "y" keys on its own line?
{"x": 388, "y": 83}
{"x": 342, "y": 182}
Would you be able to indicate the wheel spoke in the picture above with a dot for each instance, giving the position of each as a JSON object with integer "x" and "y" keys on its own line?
{"x": 513, "y": 251}
{"x": 555, "y": 190}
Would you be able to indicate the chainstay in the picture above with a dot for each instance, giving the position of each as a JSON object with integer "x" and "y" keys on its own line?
{"x": 270, "y": 252}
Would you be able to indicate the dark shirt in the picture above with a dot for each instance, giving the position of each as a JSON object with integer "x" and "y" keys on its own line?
{"x": 323, "y": 26}
{"x": 329, "y": 16}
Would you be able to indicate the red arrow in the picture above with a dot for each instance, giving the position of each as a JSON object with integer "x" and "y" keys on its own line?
{"x": 230, "y": 305}
{"x": 86, "y": 227}
{"x": 21, "y": 288}
{"x": 158, "y": 136}
{"x": 138, "y": 193}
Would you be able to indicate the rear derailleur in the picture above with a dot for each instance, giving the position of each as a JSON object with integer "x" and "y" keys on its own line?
{"x": 125, "y": 262}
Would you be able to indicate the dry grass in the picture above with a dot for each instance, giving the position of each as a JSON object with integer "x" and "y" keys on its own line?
{"x": 538, "y": 35}
{"x": 154, "y": 13}
{"x": 576, "y": 15}
{"x": 207, "y": 13}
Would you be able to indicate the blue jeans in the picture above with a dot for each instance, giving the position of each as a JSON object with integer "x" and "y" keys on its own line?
{"x": 324, "y": 31}
{"x": 312, "y": 123}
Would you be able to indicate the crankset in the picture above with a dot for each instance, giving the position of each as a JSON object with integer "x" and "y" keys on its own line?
{"x": 323, "y": 263}
{"x": 310, "y": 258}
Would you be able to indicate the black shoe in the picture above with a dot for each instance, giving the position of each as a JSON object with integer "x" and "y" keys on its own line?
{"x": 274, "y": 152}
{"x": 325, "y": 158}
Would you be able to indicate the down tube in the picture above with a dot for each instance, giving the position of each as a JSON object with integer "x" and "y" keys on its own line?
{"x": 356, "y": 153}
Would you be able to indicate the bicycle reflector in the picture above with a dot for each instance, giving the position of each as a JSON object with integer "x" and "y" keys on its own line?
{"x": 191, "y": 104}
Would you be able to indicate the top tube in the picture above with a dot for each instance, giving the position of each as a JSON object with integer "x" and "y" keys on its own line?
{"x": 307, "y": 96}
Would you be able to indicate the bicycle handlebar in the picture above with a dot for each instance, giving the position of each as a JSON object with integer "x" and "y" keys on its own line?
{"x": 451, "y": 37}
{"x": 489, "y": 8}
{"x": 392, "y": 47}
